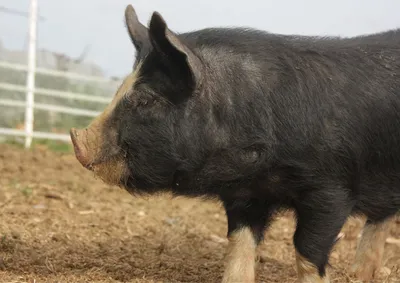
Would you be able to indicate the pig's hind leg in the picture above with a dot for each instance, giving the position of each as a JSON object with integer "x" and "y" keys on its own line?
{"x": 370, "y": 248}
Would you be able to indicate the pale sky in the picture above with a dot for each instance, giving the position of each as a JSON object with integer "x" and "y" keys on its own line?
{"x": 72, "y": 24}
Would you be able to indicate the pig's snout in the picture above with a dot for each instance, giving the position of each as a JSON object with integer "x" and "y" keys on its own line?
{"x": 80, "y": 149}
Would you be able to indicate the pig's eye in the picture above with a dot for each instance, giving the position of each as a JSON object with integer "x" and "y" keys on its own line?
{"x": 127, "y": 99}
{"x": 142, "y": 102}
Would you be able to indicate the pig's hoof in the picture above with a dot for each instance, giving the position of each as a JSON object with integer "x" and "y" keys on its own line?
{"x": 313, "y": 280}
{"x": 364, "y": 272}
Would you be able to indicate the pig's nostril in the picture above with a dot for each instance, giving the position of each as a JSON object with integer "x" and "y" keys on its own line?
{"x": 73, "y": 133}
{"x": 80, "y": 151}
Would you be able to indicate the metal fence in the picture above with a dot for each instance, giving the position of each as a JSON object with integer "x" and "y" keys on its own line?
{"x": 28, "y": 131}
{"x": 29, "y": 104}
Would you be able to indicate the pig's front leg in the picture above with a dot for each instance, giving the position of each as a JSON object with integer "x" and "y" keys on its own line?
{"x": 246, "y": 223}
{"x": 240, "y": 259}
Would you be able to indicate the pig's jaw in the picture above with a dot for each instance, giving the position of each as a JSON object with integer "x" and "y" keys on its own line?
{"x": 104, "y": 159}
{"x": 108, "y": 164}
{"x": 112, "y": 172}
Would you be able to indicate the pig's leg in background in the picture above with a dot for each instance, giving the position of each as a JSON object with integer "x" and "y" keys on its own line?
{"x": 370, "y": 248}
{"x": 320, "y": 217}
{"x": 247, "y": 221}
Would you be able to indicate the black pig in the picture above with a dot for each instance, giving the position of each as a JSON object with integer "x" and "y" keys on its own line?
{"x": 262, "y": 122}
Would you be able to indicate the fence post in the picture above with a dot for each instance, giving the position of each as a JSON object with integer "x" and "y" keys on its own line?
{"x": 30, "y": 81}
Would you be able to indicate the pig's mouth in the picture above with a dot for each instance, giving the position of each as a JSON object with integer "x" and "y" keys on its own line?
{"x": 106, "y": 162}
{"x": 91, "y": 157}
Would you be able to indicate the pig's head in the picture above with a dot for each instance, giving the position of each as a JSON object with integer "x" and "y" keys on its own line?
{"x": 133, "y": 143}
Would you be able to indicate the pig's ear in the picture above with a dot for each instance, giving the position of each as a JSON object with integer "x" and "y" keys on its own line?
{"x": 137, "y": 31}
{"x": 177, "y": 54}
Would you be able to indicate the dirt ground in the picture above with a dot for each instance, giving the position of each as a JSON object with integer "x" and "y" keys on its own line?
{"x": 59, "y": 224}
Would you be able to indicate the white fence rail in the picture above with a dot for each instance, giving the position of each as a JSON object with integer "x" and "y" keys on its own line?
{"x": 50, "y": 107}
{"x": 50, "y": 93}
{"x": 56, "y": 93}
{"x": 30, "y": 89}
{"x": 54, "y": 73}
{"x": 30, "y": 78}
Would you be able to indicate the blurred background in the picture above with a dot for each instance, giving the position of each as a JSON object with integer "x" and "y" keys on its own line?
{"x": 82, "y": 50}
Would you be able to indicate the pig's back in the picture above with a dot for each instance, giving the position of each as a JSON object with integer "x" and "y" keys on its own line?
{"x": 337, "y": 94}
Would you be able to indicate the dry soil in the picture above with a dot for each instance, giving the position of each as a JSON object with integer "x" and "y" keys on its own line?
{"x": 59, "y": 224}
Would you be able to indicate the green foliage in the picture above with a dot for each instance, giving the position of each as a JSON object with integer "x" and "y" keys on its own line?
{"x": 26, "y": 191}
{"x": 53, "y": 145}
{"x": 58, "y": 146}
